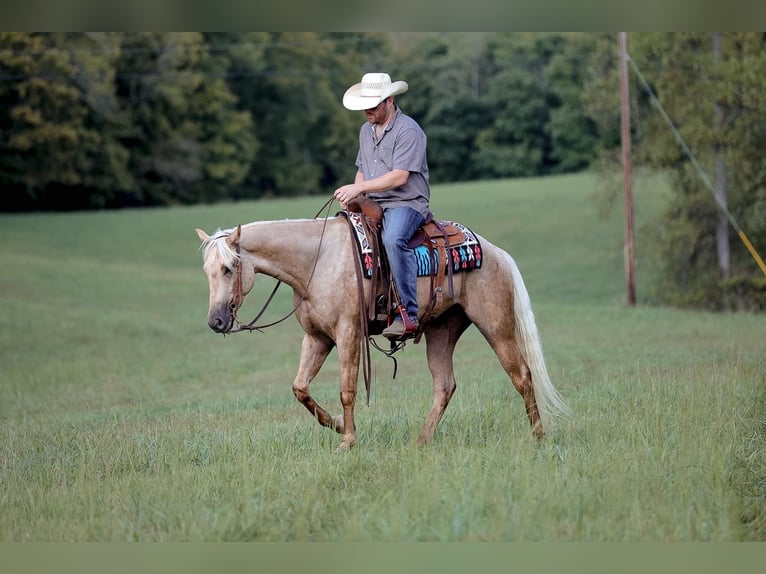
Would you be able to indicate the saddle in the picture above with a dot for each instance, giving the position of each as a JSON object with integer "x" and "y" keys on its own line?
{"x": 384, "y": 300}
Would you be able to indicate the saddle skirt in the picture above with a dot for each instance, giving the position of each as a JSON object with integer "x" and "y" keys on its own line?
{"x": 462, "y": 254}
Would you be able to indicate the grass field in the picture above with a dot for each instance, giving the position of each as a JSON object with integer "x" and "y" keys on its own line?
{"x": 124, "y": 418}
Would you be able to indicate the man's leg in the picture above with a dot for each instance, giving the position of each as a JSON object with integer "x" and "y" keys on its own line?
{"x": 399, "y": 225}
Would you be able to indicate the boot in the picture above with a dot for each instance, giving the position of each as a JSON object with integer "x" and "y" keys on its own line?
{"x": 397, "y": 331}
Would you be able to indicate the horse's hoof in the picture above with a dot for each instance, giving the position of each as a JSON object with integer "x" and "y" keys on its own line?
{"x": 345, "y": 446}
{"x": 337, "y": 424}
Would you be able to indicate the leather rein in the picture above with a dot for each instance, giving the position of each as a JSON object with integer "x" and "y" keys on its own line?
{"x": 239, "y": 297}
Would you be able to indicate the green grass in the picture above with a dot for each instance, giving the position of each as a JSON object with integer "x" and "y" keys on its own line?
{"x": 124, "y": 418}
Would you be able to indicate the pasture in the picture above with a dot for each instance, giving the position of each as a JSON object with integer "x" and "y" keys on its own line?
{"x": 124, "y": 418}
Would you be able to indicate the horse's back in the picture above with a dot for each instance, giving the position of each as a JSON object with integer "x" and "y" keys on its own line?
{"x": 494, "y": 273}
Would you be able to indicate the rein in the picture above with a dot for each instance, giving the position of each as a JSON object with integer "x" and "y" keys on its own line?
{"x": 238, "y": 297}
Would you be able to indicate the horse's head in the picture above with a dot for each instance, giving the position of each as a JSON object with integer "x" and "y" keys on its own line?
{"x": 229, "y": 277}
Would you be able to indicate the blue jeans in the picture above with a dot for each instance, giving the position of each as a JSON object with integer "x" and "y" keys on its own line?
{"x": 399, "y": 225}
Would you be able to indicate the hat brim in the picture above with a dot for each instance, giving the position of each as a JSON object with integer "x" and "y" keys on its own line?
{"x": 353, "y": 100}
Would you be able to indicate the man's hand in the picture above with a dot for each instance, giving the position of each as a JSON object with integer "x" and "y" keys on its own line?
{"x": 390, "y": 180}
{"x": 348, "y": 192}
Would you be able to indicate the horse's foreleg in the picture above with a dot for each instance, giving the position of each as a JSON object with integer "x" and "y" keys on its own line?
{"x": 441, "y": 338}
{"x": 314, "y": 351}
{"x": 348, "y": 356}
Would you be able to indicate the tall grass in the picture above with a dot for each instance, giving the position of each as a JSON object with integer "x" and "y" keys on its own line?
{"x": 123, "y": 418}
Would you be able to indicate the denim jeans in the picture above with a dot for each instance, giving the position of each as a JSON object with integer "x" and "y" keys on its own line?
{"x": 399, "y": 225}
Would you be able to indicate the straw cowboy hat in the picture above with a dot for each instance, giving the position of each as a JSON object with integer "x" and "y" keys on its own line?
{"x": 373, "y": 89}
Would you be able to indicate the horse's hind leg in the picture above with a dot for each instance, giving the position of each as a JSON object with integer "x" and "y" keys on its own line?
{"x": 503, "y": 342}
{"x": 314, "y": 351}
{"x": 441, "y": 337}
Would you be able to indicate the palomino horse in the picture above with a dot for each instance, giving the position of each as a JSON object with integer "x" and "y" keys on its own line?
{"x": 316, "y": 257}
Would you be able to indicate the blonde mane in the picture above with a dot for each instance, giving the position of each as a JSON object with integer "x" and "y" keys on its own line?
{"x": 217, "y": 242}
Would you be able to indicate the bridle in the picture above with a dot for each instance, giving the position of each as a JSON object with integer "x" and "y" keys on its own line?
{"x": 238, "y": 296}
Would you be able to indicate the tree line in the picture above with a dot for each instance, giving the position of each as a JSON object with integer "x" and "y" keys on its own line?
{"x": 109, "y": 120}
{"x": 94, "y": 120}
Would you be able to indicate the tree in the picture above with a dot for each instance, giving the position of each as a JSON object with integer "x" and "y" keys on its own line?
{"x": 573, "y": 135}
{"x": 446, "y": 74}
{"x": 533, "y": 92}
{"x": 188, "y": 141}
{"x": 104, "y": 160}
{"x": 110, "y": 119}
{"x": 515, "y": 143}
{"x": 57, "y": 150}
{"x": 292, "y": 83}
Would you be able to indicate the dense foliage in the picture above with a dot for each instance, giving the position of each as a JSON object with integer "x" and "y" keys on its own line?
{"x": 92, "y": 120}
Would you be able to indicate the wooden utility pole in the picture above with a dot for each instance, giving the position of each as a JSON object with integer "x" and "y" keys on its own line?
{"x": 625, "y": 125}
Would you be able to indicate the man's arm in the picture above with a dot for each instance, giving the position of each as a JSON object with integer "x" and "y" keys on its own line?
{"x": 389, "y": 180}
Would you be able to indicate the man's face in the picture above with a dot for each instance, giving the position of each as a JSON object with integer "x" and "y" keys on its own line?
{"x": 378, "y": 114}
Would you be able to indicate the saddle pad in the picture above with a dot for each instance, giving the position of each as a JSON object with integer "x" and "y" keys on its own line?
{"x": 464, "y": 257}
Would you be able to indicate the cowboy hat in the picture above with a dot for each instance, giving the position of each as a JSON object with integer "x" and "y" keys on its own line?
{"x": 373, "y": 89}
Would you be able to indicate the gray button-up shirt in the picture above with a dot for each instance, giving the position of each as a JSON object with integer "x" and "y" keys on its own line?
{"x": 401, "y": 146}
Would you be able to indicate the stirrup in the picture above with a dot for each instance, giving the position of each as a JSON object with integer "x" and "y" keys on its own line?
{"x": 401, "y": 328}
{"x": 410, "y": 326}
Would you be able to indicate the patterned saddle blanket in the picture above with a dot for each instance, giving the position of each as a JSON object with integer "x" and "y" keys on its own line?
{"x": 463, "y": 257}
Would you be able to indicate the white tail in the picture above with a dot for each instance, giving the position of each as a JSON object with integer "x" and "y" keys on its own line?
{"x": 548, "y": 399}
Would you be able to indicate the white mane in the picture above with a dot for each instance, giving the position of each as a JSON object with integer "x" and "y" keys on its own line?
{"x": 217, "y": 241}
{"x": 229, "y": 257}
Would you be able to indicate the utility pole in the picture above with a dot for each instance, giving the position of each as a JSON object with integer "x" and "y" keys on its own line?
{"x": 625, "y": 125}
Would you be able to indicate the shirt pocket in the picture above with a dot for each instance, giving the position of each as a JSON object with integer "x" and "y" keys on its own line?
{"x": 384, "y": 154}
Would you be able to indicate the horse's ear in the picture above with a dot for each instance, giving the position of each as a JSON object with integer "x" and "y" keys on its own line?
{"x": 202, "y": 235}
{"x": 233, "y": 239}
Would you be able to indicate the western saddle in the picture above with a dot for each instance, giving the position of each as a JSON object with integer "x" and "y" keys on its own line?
{"x": 384, "y": 302}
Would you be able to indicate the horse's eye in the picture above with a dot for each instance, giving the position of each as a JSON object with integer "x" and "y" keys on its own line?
{"x": 226, "y": 271}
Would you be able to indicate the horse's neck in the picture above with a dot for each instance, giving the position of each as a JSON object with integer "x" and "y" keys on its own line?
{"x": 286, "y": 250}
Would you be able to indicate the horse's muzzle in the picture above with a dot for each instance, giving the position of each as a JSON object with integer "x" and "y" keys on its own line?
{"x": 220, "y": 322}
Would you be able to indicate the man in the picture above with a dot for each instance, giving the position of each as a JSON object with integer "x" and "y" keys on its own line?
{"x": 392, "y": 170}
